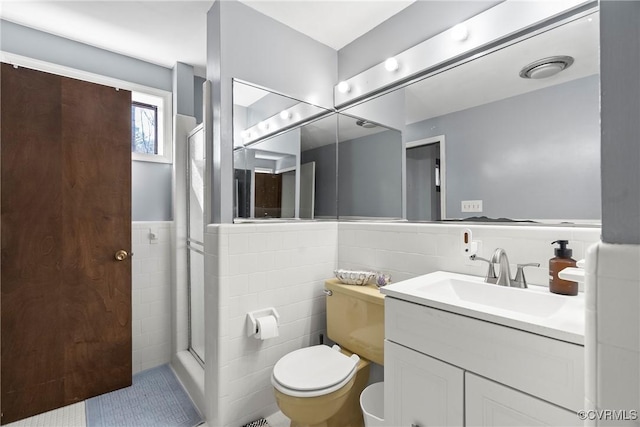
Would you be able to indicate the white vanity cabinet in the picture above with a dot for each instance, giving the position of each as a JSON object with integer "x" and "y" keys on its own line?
{"x": 424, "y": 390}
{"x": 490, "y": 404}
{"x": 446, "y": 369}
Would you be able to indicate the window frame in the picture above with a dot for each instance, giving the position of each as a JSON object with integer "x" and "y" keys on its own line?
{"x": 151, "y": 107}
{"x": 164, "y": 140}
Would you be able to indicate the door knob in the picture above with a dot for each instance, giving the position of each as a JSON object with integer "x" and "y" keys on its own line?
{"x": 121, "y": 255}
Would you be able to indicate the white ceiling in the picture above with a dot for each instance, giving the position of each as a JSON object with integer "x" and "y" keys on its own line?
{"x": 160, "y": 32}
{"x": 166, "y": 32}
{"x": 331, "y": 22}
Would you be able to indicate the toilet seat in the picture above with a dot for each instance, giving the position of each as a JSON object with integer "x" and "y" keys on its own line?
{"x": 313, "y": 371}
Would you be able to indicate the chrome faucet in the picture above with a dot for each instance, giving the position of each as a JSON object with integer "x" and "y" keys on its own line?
{"x": 504, "y": 272}
{"x": 503, "y": 278}
{"x": 491, "y": 272}
{"x": 520, "y": 281}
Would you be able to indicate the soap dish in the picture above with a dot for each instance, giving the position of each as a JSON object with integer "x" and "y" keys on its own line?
{"x": 362, "y": 278}
{"x": 353, "y": 277}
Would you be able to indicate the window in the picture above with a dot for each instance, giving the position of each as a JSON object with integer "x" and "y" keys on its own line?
{"x": 150, "y": 128}
{"x": 144, "y": 128}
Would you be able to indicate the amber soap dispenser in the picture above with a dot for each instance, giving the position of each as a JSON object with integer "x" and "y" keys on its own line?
{"x": 561, "y": 261}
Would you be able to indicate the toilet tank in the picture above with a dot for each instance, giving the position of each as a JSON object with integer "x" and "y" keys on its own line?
{"x": 355, "y": 319}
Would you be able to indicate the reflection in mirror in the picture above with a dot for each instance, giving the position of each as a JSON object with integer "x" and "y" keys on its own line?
{"x": 527, "y": 148}
{"x": 277, "y": 172}
{"x": 260, "y": 113}
{"x": 291, "y": 175}
{"x": 424, "y": 179}
{"x": 369, "y": 165}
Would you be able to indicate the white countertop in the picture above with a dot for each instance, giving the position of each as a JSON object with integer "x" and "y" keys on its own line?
{"x": 534, "y": 310}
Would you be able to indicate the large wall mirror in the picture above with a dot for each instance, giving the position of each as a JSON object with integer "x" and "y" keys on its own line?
{"x": 369, "y": 169}
{"x": 477, "y": 141}
{"x": 482, "y": 141}
{"x": 284, "y": 157}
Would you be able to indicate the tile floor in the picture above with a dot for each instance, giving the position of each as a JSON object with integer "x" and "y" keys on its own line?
{"x": 68, "y": 416}
{"x": 74, "y": 416}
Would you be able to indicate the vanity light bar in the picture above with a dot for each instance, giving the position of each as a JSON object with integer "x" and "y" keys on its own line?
{"x": 460, "y": 32}
{"x": 494, "y": 25}
{"x": 391, "y": 64}
{"x": 344, "y": 87}
{"x": 278, "y": 122}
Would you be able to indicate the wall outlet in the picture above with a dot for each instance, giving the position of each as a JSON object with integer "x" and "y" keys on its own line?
{"x": 471, "y": 206}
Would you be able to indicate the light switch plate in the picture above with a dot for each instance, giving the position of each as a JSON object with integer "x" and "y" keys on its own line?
{"x": 153, "y": 236}
{"x": 471, "y": 206}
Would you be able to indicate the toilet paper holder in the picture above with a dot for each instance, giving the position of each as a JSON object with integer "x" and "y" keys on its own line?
{"x": 252, "y": 316}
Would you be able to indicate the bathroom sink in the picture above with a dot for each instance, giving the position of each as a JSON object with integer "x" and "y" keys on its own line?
{"x": 534, "y": 309}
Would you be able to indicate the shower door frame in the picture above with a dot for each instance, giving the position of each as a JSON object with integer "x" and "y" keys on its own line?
{"x": 189, "y": 241}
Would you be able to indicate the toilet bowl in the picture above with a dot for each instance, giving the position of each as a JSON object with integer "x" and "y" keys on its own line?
{"x": 320, "y": 386}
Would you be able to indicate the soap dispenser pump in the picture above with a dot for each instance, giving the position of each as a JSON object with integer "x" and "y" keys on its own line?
{"x": 561, "y": 261}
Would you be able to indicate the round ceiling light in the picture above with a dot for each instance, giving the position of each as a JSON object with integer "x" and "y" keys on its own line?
{"x": 344, "y": 87}
{"x": 460, "y": 32}
{"x": 546, "y": 67}
{"x": 391, "y": 64}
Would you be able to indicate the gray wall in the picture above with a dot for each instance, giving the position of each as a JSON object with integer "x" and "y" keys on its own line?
{"x": 197, "y": 98}
{"x": 416, "y": 23}
{"x": 620, "y": 106}
{"x": 370, "y": 176}
{"x": 183, "y": 89}
{"x": 146, "y": 204}
{"x": 31, "y": 43}
{"x": 326, "y": 175}
{"x": 151, "y": 182}
{"x": 247, "y": 45}
{"x": 535, "y": 155}
{"x": 423, "y": 201}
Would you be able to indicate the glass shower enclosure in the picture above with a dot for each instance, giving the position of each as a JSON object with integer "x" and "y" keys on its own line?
{"x": 195, "y": 241}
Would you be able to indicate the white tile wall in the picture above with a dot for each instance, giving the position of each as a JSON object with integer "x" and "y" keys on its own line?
{"x": 613, "y": 330}
{"x": 151, "y": 295}
{"x": 257, "y": 266}
{"x": 252, "y": 266}
{"x": 407, "y": 250}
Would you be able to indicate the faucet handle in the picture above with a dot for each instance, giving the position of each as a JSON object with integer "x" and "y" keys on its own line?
{"x": 491, "y": 272}
{"x": 520, "y": 281}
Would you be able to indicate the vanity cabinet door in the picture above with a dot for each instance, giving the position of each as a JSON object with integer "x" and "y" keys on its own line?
{"x": 490, "y": 404}
{"x": 421, "y": 391}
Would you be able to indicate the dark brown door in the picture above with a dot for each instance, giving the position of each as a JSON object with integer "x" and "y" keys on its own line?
{"x": 268, "y": 195}
{"x": 66, "y": 211}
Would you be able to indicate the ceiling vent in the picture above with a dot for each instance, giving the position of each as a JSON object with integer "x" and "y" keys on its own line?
{"x": 365, "y": 124}
{"x": 546, "y": 67}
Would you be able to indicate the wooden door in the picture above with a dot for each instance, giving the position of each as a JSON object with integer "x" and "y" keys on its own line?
{"x": 268, "y": 195}
{"x": 66, "y": 210}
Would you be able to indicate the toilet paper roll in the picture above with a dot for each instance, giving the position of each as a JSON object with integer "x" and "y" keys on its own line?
{"x": 267, "y": 327}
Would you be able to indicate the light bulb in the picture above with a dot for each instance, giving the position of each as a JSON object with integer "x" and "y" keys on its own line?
{"x": 391, "y": 64}
{"x": 263, "y": 126}
{"x": 343, "y": 87}
{"x": 459, "y": 32}
{"x": 284, "y": 115}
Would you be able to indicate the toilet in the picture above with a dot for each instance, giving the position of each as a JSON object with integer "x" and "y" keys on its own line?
{"x": 321, "y": 385}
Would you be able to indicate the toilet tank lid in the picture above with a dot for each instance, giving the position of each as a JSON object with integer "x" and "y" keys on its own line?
{"x": 314, "y": 368}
